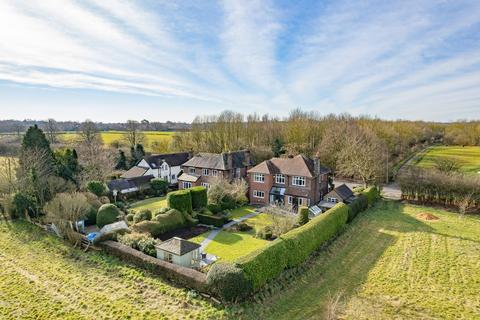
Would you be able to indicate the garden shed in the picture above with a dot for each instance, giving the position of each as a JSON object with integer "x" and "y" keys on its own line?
{"x": 179, "y": 251}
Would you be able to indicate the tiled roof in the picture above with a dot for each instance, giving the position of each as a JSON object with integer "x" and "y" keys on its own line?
{"x": 178, "y": 246}
{"x": 188, "y": 177}
{"x": 173, "y": 159}
{"x": 343, "y": 191}
{"x": 222, "y": 161}
{"x": 296, "y": 166}
{"x": 134, "y": 172}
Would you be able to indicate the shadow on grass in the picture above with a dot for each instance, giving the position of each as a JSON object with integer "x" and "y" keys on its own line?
{"x": 341, "y": 267}
{"x": 227, "y": 238}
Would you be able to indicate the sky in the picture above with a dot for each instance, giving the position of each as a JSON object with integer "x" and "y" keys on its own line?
{"x": 113, "y": 60}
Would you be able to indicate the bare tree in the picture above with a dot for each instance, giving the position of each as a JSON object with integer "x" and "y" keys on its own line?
{"x": 8, "y": 179}
{"x": 447, "y": 165}
{"x": 51, "y": 130}
{"x": 89, "y": 133}
{"x": 134, "y": 135}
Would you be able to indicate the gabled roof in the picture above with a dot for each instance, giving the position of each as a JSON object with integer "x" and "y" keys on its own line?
{"x": 343, "y": 191}
{"x": 221, "y": 161}
{"x": 173, "y": 159}
{"x": 178, "y": 246}
{"x": 134, "y": 172}
{"x": 188, "y": 177}
{"x": 299, "y": 165}
{"x": 128, "y": 183}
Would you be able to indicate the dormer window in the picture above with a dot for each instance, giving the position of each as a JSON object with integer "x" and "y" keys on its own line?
{"x": 298, "y": 181}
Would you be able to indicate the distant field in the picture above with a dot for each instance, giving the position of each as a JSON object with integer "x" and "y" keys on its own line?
{"x": 469, "y": 157}
{"x": 111, "y": 137}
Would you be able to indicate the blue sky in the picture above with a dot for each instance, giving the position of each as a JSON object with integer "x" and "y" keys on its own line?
{"x": 172, "y": 60}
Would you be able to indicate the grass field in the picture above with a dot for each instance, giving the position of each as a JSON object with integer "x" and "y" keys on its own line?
{"x": 151, "y": 204}
{"x": 468, "y": 157}
{"x": 110, "y": 137}
{"x": 389, "y": 265}
{"x": 43, "y": 278}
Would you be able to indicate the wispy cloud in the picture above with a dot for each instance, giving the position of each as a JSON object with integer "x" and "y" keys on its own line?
{"x": 418, "y": 59}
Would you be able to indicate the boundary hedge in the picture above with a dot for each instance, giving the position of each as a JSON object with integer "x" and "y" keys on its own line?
{"x": 180, "y": 200}
{"x": 372, "y": 194}
{"x": 199, "y": 197}
{"x": 292, "y": 248}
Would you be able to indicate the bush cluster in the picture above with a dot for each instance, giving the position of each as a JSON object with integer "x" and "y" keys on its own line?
{"x": 96, "y": 187}
{"x": 171, "y": 220}
{"x": 214, "y": 208}
{"x": 292, "y": 248}
{"x": 159, "y": 186}
{"x": 142, "y": 215}
{"x": 265, "y": 233}
{"x": 180, "y": 200}
{"x": 107, "y": 214}
{"x": 139, "y": 241}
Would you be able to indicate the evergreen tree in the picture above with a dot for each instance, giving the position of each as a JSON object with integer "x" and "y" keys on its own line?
{"x": 137, "y": 154}
{"x": 66, "y": 164}
{"x": 121, "y": 161}
{"x": 35, "y": 138}
{"x": 277, "y": 147}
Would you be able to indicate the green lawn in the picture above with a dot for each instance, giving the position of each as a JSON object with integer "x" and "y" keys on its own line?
{"x": 151, "y": 204}
{"x": 41, "y": 277}
{"x": 389, "y": 265}
{"x": 229, "y": 246}
{"x": 241, "y": 212}
{"x": 469, "y": 157}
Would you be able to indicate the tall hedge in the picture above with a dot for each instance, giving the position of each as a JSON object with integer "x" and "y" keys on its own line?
{"x": 228, "y": 281}
{"x": 357, "y": 206}
{"x": 372, "y": 194}
{"x": 171, "y": 220}
{"x": 107, "y": 214}
{"x": 180, "y": 200}
{"x": 292, "y": 248}
{"x": 199, "y": 197}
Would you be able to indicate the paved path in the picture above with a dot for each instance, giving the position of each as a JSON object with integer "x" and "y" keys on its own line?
{"x": 214, "y": 233}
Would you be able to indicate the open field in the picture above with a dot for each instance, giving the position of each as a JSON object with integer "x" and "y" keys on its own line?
{"x": 389, "y": 264}
{"x": 151, "y": 204}
{"x": 112, "y": 137}
{"x": 468, "y": 157}
{"x": 43, "y": 278}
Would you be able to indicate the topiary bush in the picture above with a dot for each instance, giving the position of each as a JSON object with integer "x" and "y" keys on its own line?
{"x": 293, "y": 247}
{"x": 171, "y": 220}
{"x": 142, "y": 215}
{"x": 96, "y": 187}
{"x": 214, "y": 208}
{"x": 199, "y": 197}
{"x": 107, "y": 214}
{"x": 180, "y": 200}
{"x": 303, "y": 215}
{"x": 212, "y": 220}
{"x": 356, "y": 206}
{"x": 228, "y": 282}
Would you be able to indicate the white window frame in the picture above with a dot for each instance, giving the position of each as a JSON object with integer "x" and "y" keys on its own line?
{"x": 332, "y": 200}
{"x": 258, "y": 194}
{"x": 300, "y": 201}
{"x": 296, "y": 181}
{"x": 186, "y": 184}
{"x": 259, "y": 177}
{"x": 206, "y": 171}
{"x": 191, "y": 170}
{"x": 289, "y": 199}
{"x": 280, "y": 179}
{"x": 215, "y": 173}
{"x": 206, "y": 185}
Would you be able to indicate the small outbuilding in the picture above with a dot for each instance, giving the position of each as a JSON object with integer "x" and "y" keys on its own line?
{"x": 180, "y": 251}
{"x": 341, "y": 193}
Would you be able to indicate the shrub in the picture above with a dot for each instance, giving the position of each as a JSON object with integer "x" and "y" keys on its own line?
{"x": 96, "y": 187}
{"x": 302, "y": 215}
{"x": 120, "y": 204}
{"x": 107, "y": 214}
{"x": 212, "y": 220}
{"x": 206, "y": 211}
{"x": 142, "y": 215}
{"x": 159, "y": 186}
{"x": 228, "y": 281}
{"x": 95, "y": 204}
{"x": 199, "y": 197}
{"x": 358, "y": 205}
{"x": 139, "y": 241}
{"x": 372, "y": 194}
{"x": 161, "y": 211}
{"x": 265, "y": 233}
{"x": 228, "y": 203}
{"x": 180, "y": 200}
{"x": 171, "y": 220}
{"x": 23, "y": 204}
{"x": 242, "y": 226}
{"x": 214, "y": 208}
{"x": 292, "y": 248}
{"x": 129, "y": 217}
{"x": 104, "y": 199}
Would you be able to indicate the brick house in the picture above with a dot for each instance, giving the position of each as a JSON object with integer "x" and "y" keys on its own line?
{"x": 292, "y": 181}
{"x": 203, "y": 168}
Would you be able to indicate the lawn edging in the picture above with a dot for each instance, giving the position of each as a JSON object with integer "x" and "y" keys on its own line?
{"x": 185, "y": 276}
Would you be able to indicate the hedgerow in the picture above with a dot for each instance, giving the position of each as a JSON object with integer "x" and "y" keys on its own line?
{"x": 212, "y": 220}
{"x": 180, "y": 200}
{"x": 199, "y": 197}
{"x": 228, "y": 281}
{"x": 357, "y": 206}
{"x": 372, "y": 194}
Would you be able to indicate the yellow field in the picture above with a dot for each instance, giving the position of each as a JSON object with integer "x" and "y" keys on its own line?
{"x": 155, "y": 141}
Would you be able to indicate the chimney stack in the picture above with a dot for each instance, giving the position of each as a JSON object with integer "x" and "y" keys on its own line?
{"x": 316, "y": 163}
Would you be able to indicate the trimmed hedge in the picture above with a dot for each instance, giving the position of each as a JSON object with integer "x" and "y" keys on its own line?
{"x": 171, "y": 220}
{"x": 199, "y": 197}
{"x": 214, "y": 208}
{"x": 212, "y": 220}
{"x": 303, "y": 215}
{"x": 292, "y": 248}
{"x": 372, "y": 194}
{"x": 107, "y": 214}
{"x": 228, "y": 281}
{"x": 180, "y": 200}
{"x": 357, "y": 206}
